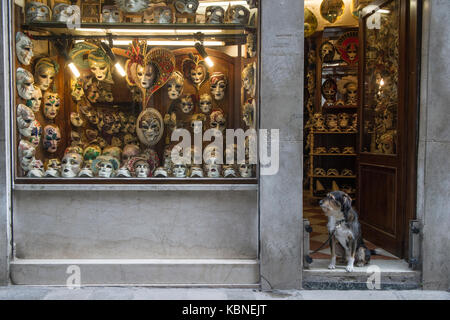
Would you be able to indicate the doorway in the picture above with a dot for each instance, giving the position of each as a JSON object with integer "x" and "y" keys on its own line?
{"x": 361, "y": 111}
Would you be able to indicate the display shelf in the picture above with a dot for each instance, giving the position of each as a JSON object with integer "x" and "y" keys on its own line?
{"x": 337, "y": 177}
{"x": 336, "y": 154}
{"x": 333, "y": 132}
{"x": 338, "y": 107}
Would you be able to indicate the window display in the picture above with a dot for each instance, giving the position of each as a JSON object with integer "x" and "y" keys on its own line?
{"x": 101, "y": 100}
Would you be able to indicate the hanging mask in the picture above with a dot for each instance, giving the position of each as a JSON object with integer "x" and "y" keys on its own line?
{"x": 175, "y": 86}
{"x": 24, "y": 83}
{"x": 35, "y": 102}
{"x": 146, "y": 75}
{"x": 26, "y": 153}
{"x": 77, "y": 90}
{"x": 75, "y": 139}
{"x": 186, "y": 104}
{"x": 158, "y": 14}
{"x": 63, "y": 12}
{"x": 24, "y": 48}
{"x": 52, "y": 138}
{"x": 93, "y": 92}
{"x": 75, "y": 119}
{"x": 214, "y": 14}
{"x": 100, "y": 65}
{"x": 248, "y": 79}
{"x": 237, "y": 14}
{"x": 45, "y": 70}
{"x": 310, "y": 23}
{"x": 132, "y": 6}
{"x": 52, "y": 168}
{"x": 150, "y": 127}
{"x": 332, "y": 10}
{"x": 186, "y": 6}
{"x": 206, "y": 103}
{"x": 329, "y": 91}
{"x": 110, "y": 14}
{"x": 195, "y": 70}
{"x": 71, "y": 165}
{"x": 36, "y": 133}
{"x": 249, "y": 113}
{"x": 130, "y": 151}
{"x": 347, "y": 46}
{"x": 327, "y": 51}
{"x": 252, "y": 44}
{"x": 198, "y": 123}
{"x": 52, "y": 104}
{"x": 217, "y": 120}
{"x": 218, "y": 85}
{"x": 36, "y": 169}
{"x": 25, "y": 118}
{"x": 36, "y": 12}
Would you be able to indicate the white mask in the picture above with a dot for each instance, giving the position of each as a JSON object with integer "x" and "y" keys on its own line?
{"x": 24, "y": 83}
{"x": 63, "y": 12}
{"x": 214, "y": 14}
{"x": 36, "y": 11}
{"x": 142, "y": 169}
{"x": 71, "y": 165}
{"x": 146, "y": 75}
{"x": 26, "y": 154}
{"x": 179, "y": 170}
{"x": 175, "y": 86}
{"x": 205, "y": 103}
{"x": 25, "y": 117}
{"x": 24, "y": 48}
{"x": 110, "y": 14}
{"x": 246, "y": 170}
{"x": 36, "y": 100}
{"x": 132, "y": 6}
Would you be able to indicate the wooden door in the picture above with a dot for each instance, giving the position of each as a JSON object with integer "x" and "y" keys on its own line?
{"x": 383, "y": 140}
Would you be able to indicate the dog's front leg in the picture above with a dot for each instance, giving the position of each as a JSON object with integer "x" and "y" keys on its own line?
{"x": 332, "y": 264}
{"x": 350, "y": 255}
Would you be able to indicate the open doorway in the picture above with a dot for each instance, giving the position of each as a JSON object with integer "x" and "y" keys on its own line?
{"x": 360, "y": 111}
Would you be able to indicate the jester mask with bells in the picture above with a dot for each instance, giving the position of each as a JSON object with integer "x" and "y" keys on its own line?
{"x": 132, "y": 6}
{"x": 150, "y": 127}
{"x": 148, "y": 69}
{"x": 91, "y": 60}
{"x": 24, "y": 48}
{"x": 195, "y": 70}
{"x": 45, "y": 70}
{"x": 347, "y": 46}
{"x": 348, "y": 87}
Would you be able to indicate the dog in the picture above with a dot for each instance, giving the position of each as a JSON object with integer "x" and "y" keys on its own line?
{"x": 345, "y": 230}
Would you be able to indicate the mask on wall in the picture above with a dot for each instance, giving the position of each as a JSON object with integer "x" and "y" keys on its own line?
{"x": 150, "y": 127}
{"x": 105, "y": 166}
{"x": 348, "y": 87}
{"x": 159, "y": 14}
{"x": 52, "y": 104}
{"x": 186, "y": 6}
{"x": 45, "y": 70}
{"x": 63, "y": 12}
{"x": 75, "y": 119}
{"x": 91, "y": 152}
{"x": 214, "y": 14}
{"x": 217, "y": 120}
{"x": 343, "y": 120}
{"x": 52, "y": 138}
{"x": 175, "y": 85}
{"x": 248, "y": 113}
{"x": 36, "y": 169}
{"x": 24, "y": 48}
{"x": 110, "y": 14}
{"x": 75, "y": 139}
{"x": 329, "y": 91}
{"x": 36, "y": 12}
{"x": 252, "y": 44}
{"x": 100, "y": 65}
{"x": 237, "y": 14}
{"x": 249, "y": 79}
{"x": 218, "y": 85}
{"x": 327, "y": 51}
{"x": 205, "y": 103}
{"x": 93, "y": 92}
{"x": 332, "y": 10}
{"x": 187, "y": 104}
{"x": 195, "y": 70}
{"x": 26, "y": 153}
{"x": 36, "y": 133}
{"x": 25, "y": 118}
{"x": 310, "y": 24}
{"x": 347, "y": 46}
{"x": 198, "y": 123}
{"x": 52, "y": 168}
{"x": 35, "y": 102}
{"x": 24, "y": 83}
{"x": 132, "y": 6}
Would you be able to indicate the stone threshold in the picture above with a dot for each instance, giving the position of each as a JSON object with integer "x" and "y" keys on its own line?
{"x": 147, "y": 272}
{"x": 394, "y": 275}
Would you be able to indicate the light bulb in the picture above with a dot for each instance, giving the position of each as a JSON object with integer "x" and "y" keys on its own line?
{"x": 74, "y": 70}
{"x": 120, "y": 69}
{"x": 209, "y": 62}
{"x": 382, "y": 82}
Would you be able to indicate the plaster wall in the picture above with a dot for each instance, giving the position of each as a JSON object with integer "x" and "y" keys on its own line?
{"x": 434, "y": 146}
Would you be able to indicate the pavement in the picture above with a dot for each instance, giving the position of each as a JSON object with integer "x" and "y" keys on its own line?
{"x": 150, "y": 293}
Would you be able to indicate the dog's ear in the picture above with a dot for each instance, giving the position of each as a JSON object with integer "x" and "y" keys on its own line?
{"x": 346, "y": 203}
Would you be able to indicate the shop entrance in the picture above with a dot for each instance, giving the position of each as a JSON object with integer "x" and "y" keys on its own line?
{"x": 360, "y": 111}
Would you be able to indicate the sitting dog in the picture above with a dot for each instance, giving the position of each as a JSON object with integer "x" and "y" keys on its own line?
{"x": 345, "y": 231}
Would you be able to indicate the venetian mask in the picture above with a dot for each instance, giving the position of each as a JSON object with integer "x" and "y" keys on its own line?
{"x": 24, "y": 48}
{"x": 319, "y": 122}
{"x": 146, "y": 75}
{"x": 36, "y": 169}
{"x": 105, "y": 166}
{"x": 132, "y": 6}
{"x": 123, "y": 172}
{"x": 387, "y": 143}
{"x": 214, "y": 14}
{"x": 44, "y": 72}
{"x": 218, "y": 85}
{"x": 167, "y": 158}
{"x": 52, "y": 168}
{"x": 25, "y": 118}
{"x": 112, "y": 151}
{"x": 175, "y": 85}
{"x": 197, "y": 123}
{"x": 86, "y": 171}
{"x": 347, "y": 45}
{"x": 142, "y": 169}
{"x": 186, "y": 6}
{"x": 91, "y": 152}
{"x": 198, "y": 75}
{"x": 195, "y": 70}
{"x": 237, "y": 14}
{"x": 179, "y": 170}
{"x": 196, "y": 172}
{"x": 186, "y": 104}
{"x": 107, "y": 122}
{"x": 76, "y": 120}
{"x": 248, "y": 79}
{"x": 352, "y": 93}
{"x": 52, "y": 138}
{"x": 252, "y": 44}
{"x": 217, "y": 120}
{"x": 327, "y": 51}
{"x": 35, "y": 102}
{"x": 132, "y": 124}
{"x": 63, "y": 12}
{"x": 99, "y": 65}
{"x": 130, "y": 151}
{"x": 91, "y": 134}
{"x": 332, "y": 123}
{"x": 329, "y": 91}
{"x": 150, "y": 127}
{"x": 52, "y": 104}
{"x": 110, "y": 14}
{"x": 92, "y": 92}
{"x": 75, "y": 139}
{"x": 36, "y": 12}
{"x": 26, "y": 154}
{"x": 246, "y": 170}
{"x": 249, "y": 114}
{"x": 205, "y": 103}
{"x": 161, "y": 172}
{"x": 36, "y": 133}
{"x": 343, "y": 120}
{"x": 24, "y": 83}
{"x": 212, "y": 167}
{"x": 229, "y": 171}
{"x": 71, "y": 165}
{"x": 158, "y": 14}
{"x": 90, "y": 114}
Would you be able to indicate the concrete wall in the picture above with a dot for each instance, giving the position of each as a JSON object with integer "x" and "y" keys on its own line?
{"x": 434, "y": 146}
{"x": 282, "y": 108}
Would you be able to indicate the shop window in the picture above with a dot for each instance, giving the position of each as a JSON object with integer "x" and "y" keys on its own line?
{"x": 101, "y": 86}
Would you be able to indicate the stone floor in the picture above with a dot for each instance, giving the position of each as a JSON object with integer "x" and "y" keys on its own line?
{"x": 143, "y": 293}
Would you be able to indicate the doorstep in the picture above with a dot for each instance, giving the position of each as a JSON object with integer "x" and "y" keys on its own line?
{"x": 395, "y": 275}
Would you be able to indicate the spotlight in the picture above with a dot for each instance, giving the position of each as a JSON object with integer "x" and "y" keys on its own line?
{"x": 113, "y": 58}
{"x": 202, "y": 51}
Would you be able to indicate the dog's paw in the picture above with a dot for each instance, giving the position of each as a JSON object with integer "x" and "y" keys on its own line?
{"x": 349, "y": 268}
{"x": 331, "y": 266}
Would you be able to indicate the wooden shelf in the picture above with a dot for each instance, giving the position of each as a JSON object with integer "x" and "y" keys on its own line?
{"x": 337, "y": 107}
{"x": 335, "y": 154}
{"x": 333, "y": 132}
{"x": 336, "y": 177}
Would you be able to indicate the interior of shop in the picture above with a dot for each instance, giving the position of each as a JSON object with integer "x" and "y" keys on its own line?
{"x": 351, "y": 110}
